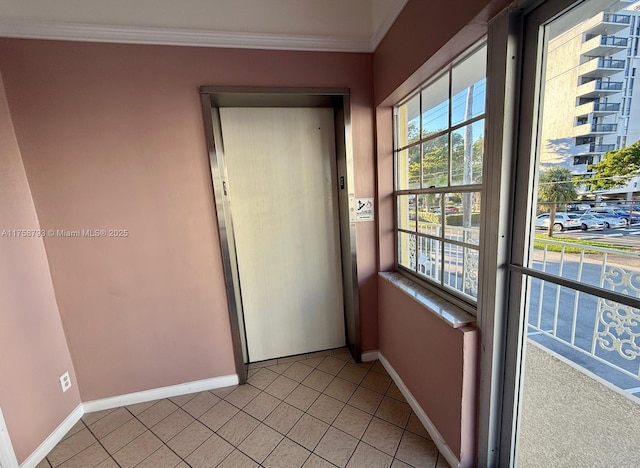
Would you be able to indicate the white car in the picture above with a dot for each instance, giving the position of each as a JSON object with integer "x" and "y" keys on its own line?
{"x": 591, "y": 221}
{"x": 610, "y": 222}
{"x": 562, "y": 222}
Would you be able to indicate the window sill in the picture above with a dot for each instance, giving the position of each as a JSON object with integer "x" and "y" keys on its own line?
{"x": 449, "y": 313}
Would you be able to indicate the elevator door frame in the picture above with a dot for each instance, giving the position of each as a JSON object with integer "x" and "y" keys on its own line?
{"x": 213, "y": 98}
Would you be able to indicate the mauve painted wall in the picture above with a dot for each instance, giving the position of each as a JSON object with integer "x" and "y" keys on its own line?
{"x": 422, "y": 31}
{"x": 112, "y": 138}
{"x": 33, "y": 350}
{"x": 436, "y": 362}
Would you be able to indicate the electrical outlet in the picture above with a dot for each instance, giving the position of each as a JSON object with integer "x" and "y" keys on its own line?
{"x": 65, "y": 381}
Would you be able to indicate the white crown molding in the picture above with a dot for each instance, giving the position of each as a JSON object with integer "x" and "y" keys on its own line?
{"x": 179, "y": 37}
{"x": 383, "y": 29}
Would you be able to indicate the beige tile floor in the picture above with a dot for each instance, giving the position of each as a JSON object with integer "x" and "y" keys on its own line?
{"x": 315, "y": 410}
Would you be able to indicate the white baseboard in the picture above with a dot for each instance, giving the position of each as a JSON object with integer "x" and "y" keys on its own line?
{"x": 7, "y": 455}
{"x": 159, "y": 393}
{"x": 369, "y": 356}
{"x": 54, "y": 438}
{"x": 424, "y": 419}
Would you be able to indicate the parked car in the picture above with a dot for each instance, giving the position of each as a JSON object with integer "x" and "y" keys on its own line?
{"x": 562, "y": 222}
{"x": 610, "y": 222}
{"x": 625, "y": 210}
{"x": 578, "y": 207}
{"x": 590, "y": 221}
{"x": 447, "y": 210}
{"x": 615, "y": 213}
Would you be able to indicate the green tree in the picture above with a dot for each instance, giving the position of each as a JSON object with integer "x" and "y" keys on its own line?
{"x": 616, "y": 168}
{"x": 435, "y": 160}
{"x": 555, "y": 186}
{"x": 413, "y": 130}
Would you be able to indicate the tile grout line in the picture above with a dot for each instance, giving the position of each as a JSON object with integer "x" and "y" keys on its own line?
{"x": 369, "y": 423}
{"x": 101, "y": 417}
{"x": 278, "y": 402}
{"x": 202, "y": 443}
{"x": 285, "y": 436}
{"x": 94, "y": 436}
{"x": 100, "y": 442}
{"x": 358, "y": 385}
{"x": 78, "y": 453}
{"x": 330, "y": 425}
{"x": 154, "y": 434}
{"x": 216, "y": 431}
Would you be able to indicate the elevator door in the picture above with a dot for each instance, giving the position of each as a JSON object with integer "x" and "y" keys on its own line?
{"x": 281, "y": 168}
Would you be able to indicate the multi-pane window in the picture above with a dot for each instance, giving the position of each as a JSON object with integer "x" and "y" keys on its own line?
{"x": 438, "y": 153}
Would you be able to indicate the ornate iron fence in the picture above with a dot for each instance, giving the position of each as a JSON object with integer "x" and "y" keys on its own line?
{"x": 593, "y": 331}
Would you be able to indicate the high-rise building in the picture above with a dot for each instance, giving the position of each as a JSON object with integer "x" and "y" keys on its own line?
{"x": 592, "y": 84}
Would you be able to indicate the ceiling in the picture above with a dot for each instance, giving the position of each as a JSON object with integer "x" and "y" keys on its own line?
{"x": 327, "y": 25}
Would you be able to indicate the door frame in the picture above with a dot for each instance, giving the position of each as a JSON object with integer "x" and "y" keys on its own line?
{"x": 514, "y": 43}
{"x": 213, "y": 98}
{"x": 7, "y": 455}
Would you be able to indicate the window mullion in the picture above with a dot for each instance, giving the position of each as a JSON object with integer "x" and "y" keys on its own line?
{"x": 435, "y": 254}
{"x": 443, "y": 215}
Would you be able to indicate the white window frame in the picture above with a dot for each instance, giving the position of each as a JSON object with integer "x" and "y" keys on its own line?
{"x": 439, "y": 287}
{"x": 513, "y": 100}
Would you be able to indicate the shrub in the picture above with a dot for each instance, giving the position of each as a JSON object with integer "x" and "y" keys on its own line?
{"x": 456, "y": 219}
{"x": 429, "y": 217}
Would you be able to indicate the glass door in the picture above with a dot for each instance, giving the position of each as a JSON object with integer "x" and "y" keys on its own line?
{"x": 576, "y": 259}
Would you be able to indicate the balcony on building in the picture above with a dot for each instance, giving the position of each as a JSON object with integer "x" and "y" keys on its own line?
{"x": 600, "y": 67}
{"x": 601, "y": 149}
{"x": 582, "y": 160}
{"x": 606, "y": 23}
{"x": 593, "y": 129}
{"x": 597, "y": 109}
{"x": 600, "y": 45}
{"x": 598, "y": 88}
{"x": 594, "y": 149}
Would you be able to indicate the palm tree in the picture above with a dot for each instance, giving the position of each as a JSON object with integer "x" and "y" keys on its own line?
{"x": 556, "y": 186}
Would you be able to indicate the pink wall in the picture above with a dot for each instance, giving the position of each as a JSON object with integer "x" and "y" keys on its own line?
{"x": 33, "y": 349}
{"x": 436, "y": 362}
{"x": 112, "y": 138}
{"x": 425, "y": 37}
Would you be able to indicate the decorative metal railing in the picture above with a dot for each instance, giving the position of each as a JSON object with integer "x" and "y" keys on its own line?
{"x": 594, "y": 332}
{"x": 450, "y": 259}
